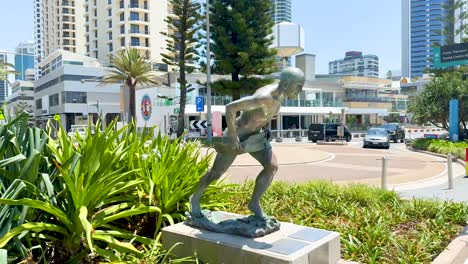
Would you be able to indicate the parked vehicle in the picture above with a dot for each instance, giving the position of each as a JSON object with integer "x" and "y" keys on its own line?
{"x": 80, "y": 130}
{"x": 377, "y": 137}
{"x": 327, "y": 132}
{"x": 395, "y": 132}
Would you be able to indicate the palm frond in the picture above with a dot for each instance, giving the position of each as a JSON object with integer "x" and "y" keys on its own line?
{"x": 130, "y": 67}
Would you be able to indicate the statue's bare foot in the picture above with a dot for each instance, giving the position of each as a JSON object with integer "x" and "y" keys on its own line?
{"x": 256, "y": 209}
{"x": 196, "y": 209}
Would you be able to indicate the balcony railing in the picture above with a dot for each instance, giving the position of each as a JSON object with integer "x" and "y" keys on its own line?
{"x": 370, "y": 99}
{"x": 312, "y": 103}
{"x": 136, "y": 5}
{"x": 138, "y": 19}
{"x": 137, "y": 31}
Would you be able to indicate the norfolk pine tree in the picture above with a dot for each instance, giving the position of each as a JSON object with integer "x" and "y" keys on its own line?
{"x": 241, "y": 36}
{"x": 184, "y": 24}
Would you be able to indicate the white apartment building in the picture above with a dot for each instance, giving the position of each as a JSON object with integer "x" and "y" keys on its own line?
{"x": 63, "y": 26}
{"x": 355, "y": 64}
{"x": 22, "y": 95}
{"x": 70, "y": 87}
{"x": 98, "y": 28}
{"x": 38, "y": 36}
{"x": 281, "y": 11}
{"x": 3, "y": 84}
{"x": 111, "y": 25}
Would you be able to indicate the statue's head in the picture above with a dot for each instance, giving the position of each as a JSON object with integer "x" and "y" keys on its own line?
{"x": 291, "y": 82}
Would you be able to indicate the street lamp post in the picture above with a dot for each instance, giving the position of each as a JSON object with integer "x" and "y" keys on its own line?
{"x": 208, "y": 74}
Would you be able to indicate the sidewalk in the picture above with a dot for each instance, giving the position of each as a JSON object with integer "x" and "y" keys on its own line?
{"x": 459, "y": 193}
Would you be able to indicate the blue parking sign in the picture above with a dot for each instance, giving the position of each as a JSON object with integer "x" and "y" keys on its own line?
{"x": 200, "y": 104}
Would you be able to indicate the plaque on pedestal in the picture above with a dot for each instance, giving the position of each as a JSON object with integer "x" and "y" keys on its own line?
{"x": 292, "y": 244}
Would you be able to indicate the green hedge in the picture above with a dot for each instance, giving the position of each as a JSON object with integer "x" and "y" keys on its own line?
{"x": 458, "y": 149}
{"x": 375, "y": 226}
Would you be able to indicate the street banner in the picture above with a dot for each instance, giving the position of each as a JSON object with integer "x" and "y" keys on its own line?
{"x": 453, "y": 129}
{"x": 217, "y": 124}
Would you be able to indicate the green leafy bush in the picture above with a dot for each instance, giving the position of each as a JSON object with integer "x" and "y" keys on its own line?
{"x": 91, "y": 197}
{"x": 23, "y": 164}
{"x": 171, "y": 171}
{"x": 375, "y": 226}
{"x": 86, "y": 197}
{"x": 458, "y": 149}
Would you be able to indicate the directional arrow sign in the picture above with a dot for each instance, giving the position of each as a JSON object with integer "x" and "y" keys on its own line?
{"x": 198, "y": 124}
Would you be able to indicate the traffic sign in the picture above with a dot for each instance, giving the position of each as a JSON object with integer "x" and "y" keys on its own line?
{"x": 200, "y": 104}
{"x": 451, "y": 55}
{"x": 198, "y": 124}
{"x": 57, "y": 117}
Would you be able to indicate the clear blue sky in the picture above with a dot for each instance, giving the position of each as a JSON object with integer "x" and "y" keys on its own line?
{"x": 332, "y": 27}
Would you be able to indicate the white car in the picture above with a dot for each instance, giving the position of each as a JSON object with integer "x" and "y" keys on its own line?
{"x": 377, "y": 137}
{"x": 80, "y": 130}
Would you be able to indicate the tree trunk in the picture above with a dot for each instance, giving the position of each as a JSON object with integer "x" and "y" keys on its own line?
{"x": 183, "y": 101}
{"x": 236, "y": 92}
{"x": 131, "y": 102}
{"x": 182, "y": 70}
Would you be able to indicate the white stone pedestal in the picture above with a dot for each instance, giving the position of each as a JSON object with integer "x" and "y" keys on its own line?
{"x": 292, "y": 244}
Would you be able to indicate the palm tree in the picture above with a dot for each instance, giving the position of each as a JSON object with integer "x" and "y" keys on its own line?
{"x": 131, "y": 68}
{"x": 5, "y": 69}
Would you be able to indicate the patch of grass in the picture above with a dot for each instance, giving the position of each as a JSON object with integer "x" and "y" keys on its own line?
{"x": 442, "y": 146}
{"x": 376, "y": 226}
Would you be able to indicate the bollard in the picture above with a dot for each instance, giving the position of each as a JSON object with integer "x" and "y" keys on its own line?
{"x": 466, "y": 162}
{"x": 449, "y": 171}
{"x": 384, "y": 173}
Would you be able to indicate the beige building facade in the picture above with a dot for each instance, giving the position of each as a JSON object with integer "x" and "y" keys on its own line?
{"x": 112, "y": 25}
{"x": 62, "y": 25}
{"x": 99, "y": 28}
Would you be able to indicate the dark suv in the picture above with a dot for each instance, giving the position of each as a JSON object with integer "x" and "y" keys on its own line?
{"x": 328, "y": 132}
{"x": 395, "y": 132}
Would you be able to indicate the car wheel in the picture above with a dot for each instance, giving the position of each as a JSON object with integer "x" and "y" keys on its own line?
{"x": 328, "y": 139}
{"x": 348, "y": 139}
{"x": 315, "y": 141}
{"x": 387, "y": 147}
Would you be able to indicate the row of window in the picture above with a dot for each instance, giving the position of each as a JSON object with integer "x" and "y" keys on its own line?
{"x": 67, "y": 98}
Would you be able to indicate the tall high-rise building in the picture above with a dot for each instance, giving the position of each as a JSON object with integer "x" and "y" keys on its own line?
{"x": 38, "y": 36}
{"x": 111, "y": 25}
{"x": 281, "y": 11}
{"x": 98, "y": 28}
{"x": 422, "y": 26}
{"x": 24, "y": 59}
{"x": 63, "y": 25}
{"x": 355, "y": 64}
{"x": 460, "y": 21}
{"x": 3, "y": 83}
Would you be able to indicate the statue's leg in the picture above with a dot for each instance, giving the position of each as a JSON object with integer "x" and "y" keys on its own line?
{"x": 264, "y": 179}
{"x": 221, "y": 164}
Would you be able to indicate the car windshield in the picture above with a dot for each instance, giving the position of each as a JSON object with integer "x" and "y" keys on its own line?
{"x": 377, "y": 132}
{"x": 389, "y": 127}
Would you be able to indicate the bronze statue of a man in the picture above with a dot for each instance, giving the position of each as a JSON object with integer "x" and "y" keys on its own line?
{"x": 245, "y": 136}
